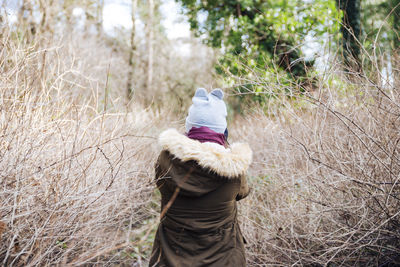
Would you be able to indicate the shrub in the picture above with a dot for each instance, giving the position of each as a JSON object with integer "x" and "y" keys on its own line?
{"x": 325, "y": 177}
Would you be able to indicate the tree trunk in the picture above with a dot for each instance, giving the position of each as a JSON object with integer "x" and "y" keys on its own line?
{"x": 150, "y": 31}
{"x": 43, "y": 8}
{"x": 26, "y": 20}
{"x": 99, "y": 24}
{"x": 351, "y": 31}
{"x": 49, "y": 9}
{"x": 395, "y": 8}
{"x": 132, "y": 53}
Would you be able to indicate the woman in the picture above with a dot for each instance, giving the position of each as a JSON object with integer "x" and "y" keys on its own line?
{"x": 200, "y": 178}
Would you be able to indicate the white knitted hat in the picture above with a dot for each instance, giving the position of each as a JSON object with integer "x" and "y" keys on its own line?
{"x": 208, "y": 109}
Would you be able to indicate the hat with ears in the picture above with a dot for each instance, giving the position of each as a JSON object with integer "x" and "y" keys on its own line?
{"x": 208, "y": 109}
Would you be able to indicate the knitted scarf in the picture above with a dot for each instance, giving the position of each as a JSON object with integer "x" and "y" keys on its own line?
{"x": 205, "y": 134}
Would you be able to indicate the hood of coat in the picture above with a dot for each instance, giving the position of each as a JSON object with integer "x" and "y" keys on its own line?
{"x": 228, "y": 162}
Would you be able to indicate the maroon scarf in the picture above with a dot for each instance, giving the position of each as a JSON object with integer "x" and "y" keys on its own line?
{"x": 205, "y": 134}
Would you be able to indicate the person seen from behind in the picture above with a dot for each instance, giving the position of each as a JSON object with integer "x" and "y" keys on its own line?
{"x": 201, "y": 177}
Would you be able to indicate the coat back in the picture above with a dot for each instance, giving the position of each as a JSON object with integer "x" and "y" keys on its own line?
{"x": 200, "y": 225}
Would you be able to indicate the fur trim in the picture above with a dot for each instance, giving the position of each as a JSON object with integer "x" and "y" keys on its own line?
{"x": 229, "y": 162}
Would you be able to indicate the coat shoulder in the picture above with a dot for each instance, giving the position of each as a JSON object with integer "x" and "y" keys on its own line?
{"x": 229, "y": 162}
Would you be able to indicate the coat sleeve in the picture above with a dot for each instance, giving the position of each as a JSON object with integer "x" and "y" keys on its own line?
{"x": 244, "y": 188}
{"x": 157, "y": 168}
{"x": 162, "y": 176}
{"x": 160, "y": 171}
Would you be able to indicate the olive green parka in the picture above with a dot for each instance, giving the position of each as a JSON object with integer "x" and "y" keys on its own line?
{"x": 200, "y": 227}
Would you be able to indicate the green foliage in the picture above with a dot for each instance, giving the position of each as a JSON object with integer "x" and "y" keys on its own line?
{"x": 260, "y": 37}
{"x": 61, "y": 244}
{"x": 381, "y": 22}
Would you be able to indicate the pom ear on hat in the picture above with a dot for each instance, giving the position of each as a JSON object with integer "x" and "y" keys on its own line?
{"x": 201, "y": 93}
{"x": 218, "y": 93}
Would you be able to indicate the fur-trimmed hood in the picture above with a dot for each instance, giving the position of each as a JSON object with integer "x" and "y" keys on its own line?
{"x": 229, "y": 162}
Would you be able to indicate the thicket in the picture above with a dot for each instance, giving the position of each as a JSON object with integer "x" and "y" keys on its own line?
{"x": 325, "y": 177}
{"x": 75, "y": 177}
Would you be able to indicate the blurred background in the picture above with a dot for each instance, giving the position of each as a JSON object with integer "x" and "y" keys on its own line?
{"x": 168, "y": 48}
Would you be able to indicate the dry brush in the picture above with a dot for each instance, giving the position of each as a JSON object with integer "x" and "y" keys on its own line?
{"x": 326, "y": 176}
{"x": 76, "y": 180}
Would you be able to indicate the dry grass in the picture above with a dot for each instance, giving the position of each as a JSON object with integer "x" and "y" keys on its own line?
{"x": 326, "y": 177}
{"x": 76, "y": 179}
